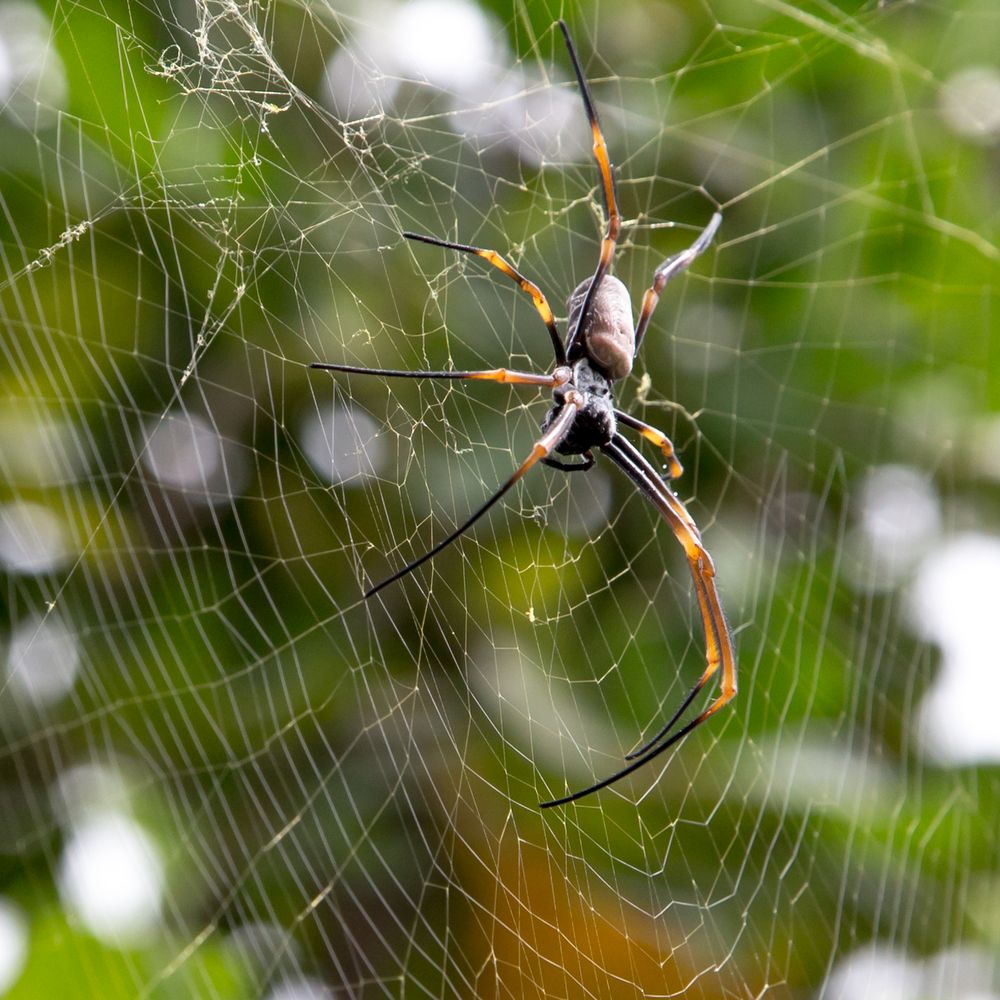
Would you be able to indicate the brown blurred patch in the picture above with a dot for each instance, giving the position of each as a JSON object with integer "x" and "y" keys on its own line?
{"x": 532, "y": 933}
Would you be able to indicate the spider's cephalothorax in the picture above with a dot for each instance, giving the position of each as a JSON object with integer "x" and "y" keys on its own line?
{"x": 599, "y": 349}
{"x": 594, "y": 422}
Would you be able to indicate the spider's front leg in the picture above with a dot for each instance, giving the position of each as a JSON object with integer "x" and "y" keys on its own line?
{"x": 555, "y": 431}
{"x": 718, "y": 639}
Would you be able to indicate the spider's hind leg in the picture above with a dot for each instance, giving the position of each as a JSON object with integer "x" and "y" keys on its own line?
{"x": 671, "y": 267}
{"x": 536, "y": 295}
{"x": 607, "y": 172}
{"x": 718, "y": 640}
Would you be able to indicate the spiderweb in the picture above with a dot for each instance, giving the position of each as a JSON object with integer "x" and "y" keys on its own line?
{"x": 224, "y": 773}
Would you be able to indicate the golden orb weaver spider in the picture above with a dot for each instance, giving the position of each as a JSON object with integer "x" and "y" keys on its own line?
{"x": 599, "y": 350}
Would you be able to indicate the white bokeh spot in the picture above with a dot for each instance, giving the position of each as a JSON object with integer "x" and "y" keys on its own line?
{"x": 355, "y": 86}
{"x": 446, "y": 42}
{"x": 899, "y": 517}
{"x": 304, "y": 988}
{"x": 954, "y": 604}
{"x": 182, "y": 451}
{"x": 111, "y": 877}
{"x": 32, "y": 539}
{"x": 343, "y": 445}
{"x": 13, "y": 943}
{"x": 881, "y": 972}
{"x": 42, "y": 660}
{"x": 970, "y": 103}
{"x": 33, "y": 87}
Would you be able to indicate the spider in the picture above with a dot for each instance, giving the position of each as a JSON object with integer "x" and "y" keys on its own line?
{"x": 599, "y": 350}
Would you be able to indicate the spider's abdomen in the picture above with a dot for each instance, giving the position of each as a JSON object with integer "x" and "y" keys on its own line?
{"x": 608, "y": 332}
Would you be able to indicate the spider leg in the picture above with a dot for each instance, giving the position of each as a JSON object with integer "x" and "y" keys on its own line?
{"x": 555, "y": 378}
{"x": 537, "y": 297}
{"x": 542, "y": 449}
{"x": 587, "y": 463}
{"x": 607, "y": 172}
{"x": 688, "y": 698}
{"x": 657, "y": 437}
{"x": 718, "y": 641}
{"x": 717, "y": 636}
{"x": 636, "y": 764}
{"x": 671, "y": 267}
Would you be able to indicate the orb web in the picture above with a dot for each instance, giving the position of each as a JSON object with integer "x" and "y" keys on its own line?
{"x": 225, "y": 773}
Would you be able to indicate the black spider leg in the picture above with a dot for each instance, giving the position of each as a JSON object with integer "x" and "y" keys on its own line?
{"x": 587, "y": 463}
{"x": 574, "y": 347}
{"x": 508, "y": 375}
{"x": 684, "y": 705}
{"x": 528, "y": 287}
{"x": 542, "y": 449}
{"x": 717, "y": 637}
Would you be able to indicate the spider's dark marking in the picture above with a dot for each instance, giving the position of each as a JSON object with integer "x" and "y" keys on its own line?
{"x": 600, "y": 348}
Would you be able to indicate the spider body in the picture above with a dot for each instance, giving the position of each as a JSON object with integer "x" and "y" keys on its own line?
{"x": 607, "y": 336}
{"x": 599, "y": 349}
